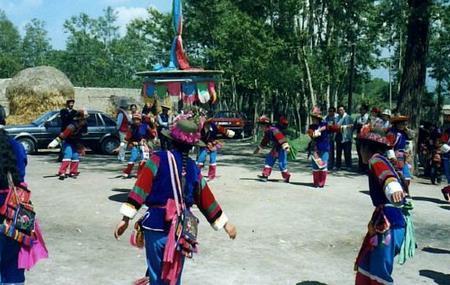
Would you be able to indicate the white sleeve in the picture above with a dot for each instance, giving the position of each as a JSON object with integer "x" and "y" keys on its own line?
{"x": 392, "y": 188}
{"x": 128, "y": 210}
{"x": 391, "y": 154}
{"x": 220, "y": 222}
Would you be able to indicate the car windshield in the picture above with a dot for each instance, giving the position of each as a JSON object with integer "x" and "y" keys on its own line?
{"x": 42, "y": 119}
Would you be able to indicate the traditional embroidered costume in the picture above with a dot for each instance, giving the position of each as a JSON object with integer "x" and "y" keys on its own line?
{"x": 319, "y": 148}
{"x": 209, "y": 135}
{"x": 445, "y": 150}
{"x": 280, "y": 148}
{"x": 137, "y": 137}
{"x": 387, "y": 229}
{"x": 71, "y": 145}
{"x": 156, "y": 187}
{"x": 400, "y": 142}
{"x": 122, "y": 123}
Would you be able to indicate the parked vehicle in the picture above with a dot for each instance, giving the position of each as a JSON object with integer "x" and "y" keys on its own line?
{"x": 235, "y": 121}
{"x": 102, "y": 135}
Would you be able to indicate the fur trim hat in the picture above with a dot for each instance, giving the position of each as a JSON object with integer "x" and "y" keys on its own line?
{"x": 186, "y": 131}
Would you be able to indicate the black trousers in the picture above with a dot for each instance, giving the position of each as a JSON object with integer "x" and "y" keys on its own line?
{"x": 332, "y": 155}
{"x": 345, "y": 147}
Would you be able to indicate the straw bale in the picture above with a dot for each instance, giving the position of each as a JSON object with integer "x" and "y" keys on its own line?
{"x": 34, "y": 91}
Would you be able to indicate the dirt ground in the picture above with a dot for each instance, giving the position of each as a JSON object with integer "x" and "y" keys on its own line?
{"x": 287, "y": 233}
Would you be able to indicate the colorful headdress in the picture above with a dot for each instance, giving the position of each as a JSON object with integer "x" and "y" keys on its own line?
{"x": 186, "y": 131}
{"x": 375, "y": 110}
{"x": 264, "y": 120}
{"x": 376, "y": 135}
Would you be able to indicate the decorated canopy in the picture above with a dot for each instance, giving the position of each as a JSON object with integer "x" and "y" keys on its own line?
{"x": 179, "y": 81}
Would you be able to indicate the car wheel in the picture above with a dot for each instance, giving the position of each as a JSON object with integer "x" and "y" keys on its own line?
{"x": 28, "y": 145}
{"x": 109, "y": 144}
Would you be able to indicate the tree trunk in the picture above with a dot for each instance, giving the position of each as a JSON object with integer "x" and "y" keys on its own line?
{"x": 414, "y": 71}
{"x": 413, "y": 78}
{"x": 297, "y": 113}
{"x": 312, "y": 96}
{"x": 440, "y": 102}
{"x": 328, "y": 95}
{"x": 350, "y": 78}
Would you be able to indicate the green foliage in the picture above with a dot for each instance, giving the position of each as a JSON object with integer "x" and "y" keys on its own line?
{"x": 36, "y": 44}
{"x": 10, "y": 48}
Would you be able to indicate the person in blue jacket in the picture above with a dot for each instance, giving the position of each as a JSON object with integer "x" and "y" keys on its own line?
{"x": 13, "y": 159}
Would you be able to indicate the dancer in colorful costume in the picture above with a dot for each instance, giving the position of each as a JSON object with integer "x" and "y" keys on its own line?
{"x": 319, "y": 147}
{"x": 168, "y": 200}
{"x": 388, "y": 234}
{"x": 398, "y": 155}
{"x": 445, "y": 150}
{"x": 122, "y": 123}
{"x": 137, "y": 139}
{"x": 279, "y": 150}
{"x": 71, "y": 144}
{"x": 209, "y": 134}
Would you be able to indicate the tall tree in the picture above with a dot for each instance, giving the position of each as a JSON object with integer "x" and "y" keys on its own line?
{"x": 414, "y": 72}
{"x": 36, "y": 44}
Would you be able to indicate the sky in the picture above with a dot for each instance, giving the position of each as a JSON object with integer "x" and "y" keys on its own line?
{"x": 55, "y": 12}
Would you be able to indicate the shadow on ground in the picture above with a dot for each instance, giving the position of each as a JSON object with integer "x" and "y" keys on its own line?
{"x": 438, "y": 277}
{"x": 436, "y": 250}
{"x": 311, "y": 283}
{"x": 121, "y": 197}
{"x": 365, "y": 192}
{"x": 429, "y": 199}
{"x": 306, "y": 184}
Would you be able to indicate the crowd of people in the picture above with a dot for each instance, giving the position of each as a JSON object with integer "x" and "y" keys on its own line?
{"x": 169, "y": 182}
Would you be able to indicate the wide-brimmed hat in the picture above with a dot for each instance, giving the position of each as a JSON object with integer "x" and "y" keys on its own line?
{"x": 70, "y": 100}
{"x": 165, "y": 106}
{"x": 264, "y": 120}
{"x": 185, "y": 131}
{"x": 376, "y": 135}
{"x": 315, "y": 113}
{"x": 386, "y": 112}
{"x": 399, "y": 119}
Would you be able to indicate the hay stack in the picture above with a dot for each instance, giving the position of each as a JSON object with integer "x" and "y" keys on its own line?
{"x": 34, "y": 91}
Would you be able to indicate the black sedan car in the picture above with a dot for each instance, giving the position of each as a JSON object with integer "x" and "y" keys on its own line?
{"x": 102, "y": 135}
